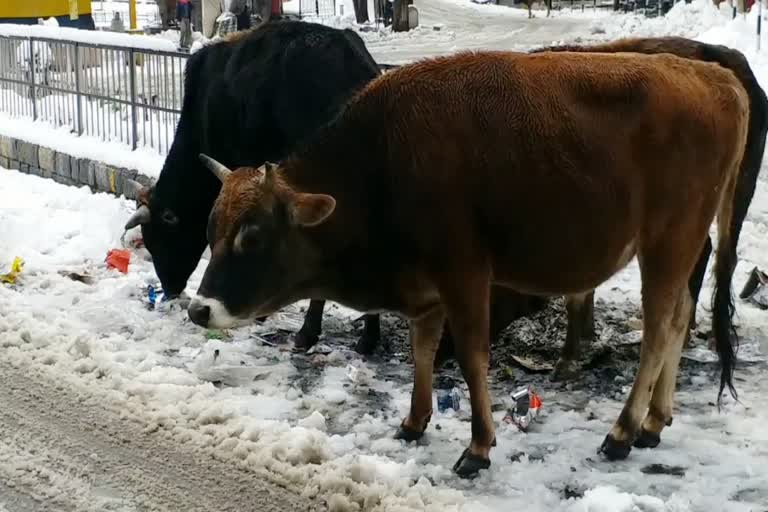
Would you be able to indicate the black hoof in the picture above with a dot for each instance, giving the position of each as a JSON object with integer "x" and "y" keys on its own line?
{"x": 647, "y": 440}
{"x": 469, "y": 465}
{"x": 410, "y": 435}
{"x": 366, "y": 346}
{"x": 565, "y": 370}
{"x": 615, "y": 450}
{"x": 303, "y": 342}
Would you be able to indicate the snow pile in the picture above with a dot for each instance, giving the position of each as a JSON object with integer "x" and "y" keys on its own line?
{"x": 686, "y": 20}
{"x": 88, "y": 36}
{"x": 741, "y": 33}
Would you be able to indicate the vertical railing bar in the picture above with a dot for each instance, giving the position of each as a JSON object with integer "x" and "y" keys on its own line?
{"x": 71, "y": 78}
{"x": 32, "y": 90}
{"x": 115, "y": 88}
{"x": 121, "y": 88}
{"x": 102, "y": 92}
{"x": 78, "y": 87}
{"x": 92, "y": 128}
{"x": 113, "y": 91}
{"x": 132, "y": 77}
{"x": 144, "y": 100}
{"x": 155, "y": 83}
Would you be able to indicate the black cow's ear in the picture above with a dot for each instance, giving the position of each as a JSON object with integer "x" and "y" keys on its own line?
{"x": 311, "y": 209}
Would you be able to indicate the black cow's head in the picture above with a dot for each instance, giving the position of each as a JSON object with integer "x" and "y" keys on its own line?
{"x": 173, "y": 238}
{"x": 261, "y": 254}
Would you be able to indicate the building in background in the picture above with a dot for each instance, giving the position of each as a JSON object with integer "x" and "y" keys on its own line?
{"x": 68, "y": 13}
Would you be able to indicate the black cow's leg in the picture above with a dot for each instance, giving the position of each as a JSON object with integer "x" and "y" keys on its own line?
{"x": 371, "y": 337}
{"x": 506, "y": 307}
{"x": 309, "y": 333}
{"x": 445, "y": 350}
{"x": 577, "y": 307}
{"x": 695, "y": 282}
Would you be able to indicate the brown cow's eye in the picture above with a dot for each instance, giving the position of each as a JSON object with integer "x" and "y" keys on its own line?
{"x": 249, "y": 239}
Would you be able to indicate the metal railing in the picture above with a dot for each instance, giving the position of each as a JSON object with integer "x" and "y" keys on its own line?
{"x": 115, "y": 93}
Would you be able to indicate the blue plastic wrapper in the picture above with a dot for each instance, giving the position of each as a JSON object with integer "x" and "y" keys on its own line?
{"x": 152, "y": 294}
{"x": 447, "y": 395}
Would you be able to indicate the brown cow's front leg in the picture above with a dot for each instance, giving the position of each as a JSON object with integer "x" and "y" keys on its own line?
{"x": 309, "y": 333}
{"x": 424, "y": 333}
{"x": 371, "y": 337}
{"x": 580, "y": 310}
{"x": 467, "y": 306}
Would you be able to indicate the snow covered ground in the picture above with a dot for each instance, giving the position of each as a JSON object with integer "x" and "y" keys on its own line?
{"x": 307, "y": 423}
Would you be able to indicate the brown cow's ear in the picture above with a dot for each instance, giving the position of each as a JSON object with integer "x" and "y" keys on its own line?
{"x": 311, "y": 209}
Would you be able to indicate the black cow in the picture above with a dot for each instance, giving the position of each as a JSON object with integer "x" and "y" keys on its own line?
{"x": 249, "y": 98}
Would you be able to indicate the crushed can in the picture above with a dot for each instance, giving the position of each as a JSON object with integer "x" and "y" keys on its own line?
{"x": 755, "y": 290}
{"x": 526, "y": 409}
{"x": 448, "y": 396}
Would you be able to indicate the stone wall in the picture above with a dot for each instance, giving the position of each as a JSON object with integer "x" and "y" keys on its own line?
{"x": 68, "y": 170}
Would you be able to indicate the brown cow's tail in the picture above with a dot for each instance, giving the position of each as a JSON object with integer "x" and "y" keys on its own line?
{"x": 726, "y": 339}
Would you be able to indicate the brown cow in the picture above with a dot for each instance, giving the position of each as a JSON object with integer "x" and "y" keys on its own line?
{"x": 496, "y": 168}
{"x": 581, "y": 316}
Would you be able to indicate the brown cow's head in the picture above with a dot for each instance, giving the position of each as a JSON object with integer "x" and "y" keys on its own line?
{"x": 260, "y": 251}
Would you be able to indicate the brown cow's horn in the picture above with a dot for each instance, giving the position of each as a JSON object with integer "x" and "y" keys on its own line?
{"x": 220, "y": 170}
{"x": 141, "y": 216}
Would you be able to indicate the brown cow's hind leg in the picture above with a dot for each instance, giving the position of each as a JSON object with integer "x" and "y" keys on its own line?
{"x": 662, "y": 401}
{"x": 425, "y": 334}
{"x": 662, "y": 306}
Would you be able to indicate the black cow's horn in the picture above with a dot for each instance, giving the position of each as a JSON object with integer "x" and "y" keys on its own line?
{"x": 269, "y": 169}
{"x": 141, "y": 216}
{"x": 217, "y": 168}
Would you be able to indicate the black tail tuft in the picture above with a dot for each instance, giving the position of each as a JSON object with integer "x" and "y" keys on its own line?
{"x": 726, "y": 339}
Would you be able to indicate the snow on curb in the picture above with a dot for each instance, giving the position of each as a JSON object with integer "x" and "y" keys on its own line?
{"x": 144, "y": 160}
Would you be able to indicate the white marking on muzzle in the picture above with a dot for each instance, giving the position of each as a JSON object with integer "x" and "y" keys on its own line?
{"x": 219, "y": 318}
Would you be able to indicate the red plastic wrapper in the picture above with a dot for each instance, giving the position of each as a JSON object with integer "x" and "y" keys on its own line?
{"x": 119, "y": 259}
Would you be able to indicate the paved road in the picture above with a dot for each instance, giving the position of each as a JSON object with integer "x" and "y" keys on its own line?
{"x": 65, "y": 452}
{"x": 476, "y": 27}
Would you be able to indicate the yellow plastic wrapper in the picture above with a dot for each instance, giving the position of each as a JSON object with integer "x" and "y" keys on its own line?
{"x": 16, "y": 267}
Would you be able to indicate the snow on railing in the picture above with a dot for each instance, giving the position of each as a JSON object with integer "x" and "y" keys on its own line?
{"x": 117, "y": 87}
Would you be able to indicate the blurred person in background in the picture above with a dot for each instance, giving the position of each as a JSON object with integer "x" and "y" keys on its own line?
{"x": 184, "y": 15}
